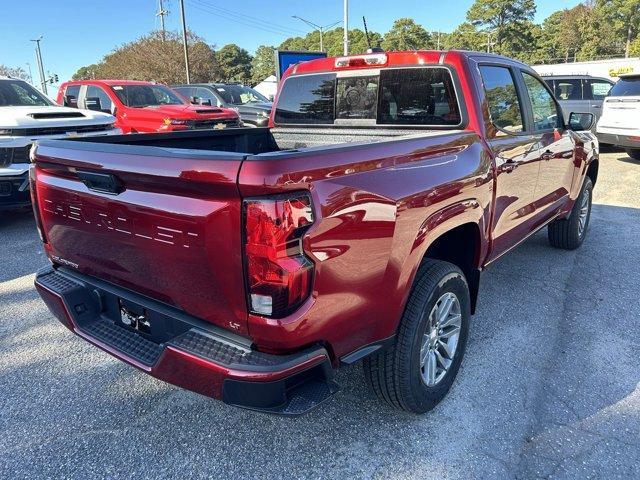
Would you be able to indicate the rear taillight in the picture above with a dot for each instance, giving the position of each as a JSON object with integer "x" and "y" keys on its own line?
{"x": 34, "y": 201}
{"x": 279, "y": 275}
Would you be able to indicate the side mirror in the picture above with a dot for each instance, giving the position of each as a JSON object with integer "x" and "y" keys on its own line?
{"x": 93, "y": 103}
{"x": 581, "y": 121}
{"x": 71, "y": 101}
{"x": 193, "y": 100}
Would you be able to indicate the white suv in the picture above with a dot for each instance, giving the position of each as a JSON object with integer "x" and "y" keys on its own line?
{"x": 620, "y": 121}
{"x": 26, "y": 116}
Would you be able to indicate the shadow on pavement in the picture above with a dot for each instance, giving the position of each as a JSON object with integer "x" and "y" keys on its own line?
{"x": 549, "y": 386}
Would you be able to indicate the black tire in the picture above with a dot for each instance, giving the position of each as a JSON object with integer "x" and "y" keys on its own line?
{"x": 395, "y": 374}
{"x": 566, "y": 233}
{"x": 633, "y": 153}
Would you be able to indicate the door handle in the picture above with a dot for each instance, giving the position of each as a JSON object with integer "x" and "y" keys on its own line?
{"x": 508, "y": 167}
{"x": 548, "y": 155}
{"x": 101, "y": 182}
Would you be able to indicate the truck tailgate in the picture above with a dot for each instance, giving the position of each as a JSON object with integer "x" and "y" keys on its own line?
{"x": 162, "y": 222}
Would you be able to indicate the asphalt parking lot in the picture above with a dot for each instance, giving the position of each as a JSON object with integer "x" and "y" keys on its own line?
{"x": 550, "y": 386}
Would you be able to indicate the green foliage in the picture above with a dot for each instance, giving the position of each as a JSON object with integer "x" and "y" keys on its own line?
{"x": 466, "y": 37}
{"x": 333, "y": 41}
{"x": 406, "y": 34}
{"x": 234, "y": 64}
{"x": 88, "y": 72}
{"x": 263, "y": 64}
{"x": 152, "y": 58}
{"x": 510, "y": 22}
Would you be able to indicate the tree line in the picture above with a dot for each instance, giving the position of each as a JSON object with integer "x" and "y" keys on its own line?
{"x": 590, "y": 30}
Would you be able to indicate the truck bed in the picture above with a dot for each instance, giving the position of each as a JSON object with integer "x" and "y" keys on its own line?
{"x": 253, "y": 141}
{"x": 161, "y": 214}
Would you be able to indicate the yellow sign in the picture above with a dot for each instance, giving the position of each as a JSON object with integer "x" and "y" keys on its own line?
{"x": 616, "y": 72}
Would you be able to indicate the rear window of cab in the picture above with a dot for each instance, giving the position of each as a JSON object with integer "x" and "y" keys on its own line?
{"x": 424, "y": 96}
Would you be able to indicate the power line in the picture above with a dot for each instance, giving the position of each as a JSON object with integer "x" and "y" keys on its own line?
{"x": 243, "y": 16}
{"x": 244, "y": 19}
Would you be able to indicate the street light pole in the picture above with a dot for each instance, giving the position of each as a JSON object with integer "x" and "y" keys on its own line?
{"x": 345, "y": 21}
{"x": 43, "y": 82}
{"x": 184, "y": 41}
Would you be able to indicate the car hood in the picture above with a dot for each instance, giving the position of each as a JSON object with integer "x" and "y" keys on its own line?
{"x": 255, "y": 107}
{"x": 50, "y": 116}
{"x": 190, "y": 111}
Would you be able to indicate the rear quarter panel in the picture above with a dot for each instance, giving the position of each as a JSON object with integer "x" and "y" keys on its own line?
{"x": 378, "y": 207}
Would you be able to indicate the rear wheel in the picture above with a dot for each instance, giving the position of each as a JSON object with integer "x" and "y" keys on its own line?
{"x": 633, "y": 153}
{"x": 418, "y": 371}
{"x": 569, "y": 233}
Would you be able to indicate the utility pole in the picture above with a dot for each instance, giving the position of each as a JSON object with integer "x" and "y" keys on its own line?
{"x": 346, "y": 28}
{"x": 317, "y": 27}
{"x": 161, "y": 13}
{"x": 43, "y": 82}
{"x": 184, "y": 41}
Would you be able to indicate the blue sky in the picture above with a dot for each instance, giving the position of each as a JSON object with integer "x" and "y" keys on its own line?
{"x": 80, "y": 32}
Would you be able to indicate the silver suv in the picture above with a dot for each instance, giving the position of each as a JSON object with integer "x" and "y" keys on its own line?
{"x": 579, "y": 93}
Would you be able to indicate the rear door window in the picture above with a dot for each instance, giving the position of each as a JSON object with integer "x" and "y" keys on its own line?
{"x": 597, "y": 89}
{"x": 502, "y": 98}
{"x": 568, "y": 89}
{"x": 626, "y": 87}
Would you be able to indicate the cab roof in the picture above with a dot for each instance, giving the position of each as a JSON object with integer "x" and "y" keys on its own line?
{"x": 398, "y": 59}
{"x": 111, "y": 82}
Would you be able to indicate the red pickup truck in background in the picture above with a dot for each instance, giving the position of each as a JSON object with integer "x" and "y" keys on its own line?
{"x": 144, "y": 107}
{"x": 248, "y": 264}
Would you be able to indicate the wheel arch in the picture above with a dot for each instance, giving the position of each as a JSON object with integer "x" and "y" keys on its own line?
{"x": 461, "y": 246}
{"x": 592, "y": 170}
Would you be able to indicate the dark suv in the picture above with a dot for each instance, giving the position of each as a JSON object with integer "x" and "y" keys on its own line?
{"x": 253, "y": 107}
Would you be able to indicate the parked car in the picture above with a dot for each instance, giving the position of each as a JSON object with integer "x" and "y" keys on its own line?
{"x": 25, "y": 116}
{"x": 252, "y": 106}
{"x": 620, "y": 121}
{"x": 356, "y": 228}
{"x": 144, "y": 107}
{"x": 580, "y": 93}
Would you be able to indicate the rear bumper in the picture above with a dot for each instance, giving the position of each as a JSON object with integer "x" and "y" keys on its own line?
{"x": 619, "y": 140}
{"x": 185, "y": 351}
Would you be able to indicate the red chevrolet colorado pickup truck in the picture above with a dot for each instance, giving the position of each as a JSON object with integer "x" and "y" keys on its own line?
{"x": 248, "y": 264}
{"x": 141, "y": 107}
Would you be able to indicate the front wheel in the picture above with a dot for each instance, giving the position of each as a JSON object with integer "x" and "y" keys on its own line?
{"x": 633, "y": 153}
{"x": 569, "y": 233}
{"x": 418, "y": 371}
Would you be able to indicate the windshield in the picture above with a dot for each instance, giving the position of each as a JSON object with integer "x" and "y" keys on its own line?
{"x": 422, "y": 96}
{"x": 140, "y": 96}
{"x": 626, "y": 87}
{"x": 17, "y": 93}
{"x": 239, "y": 94}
